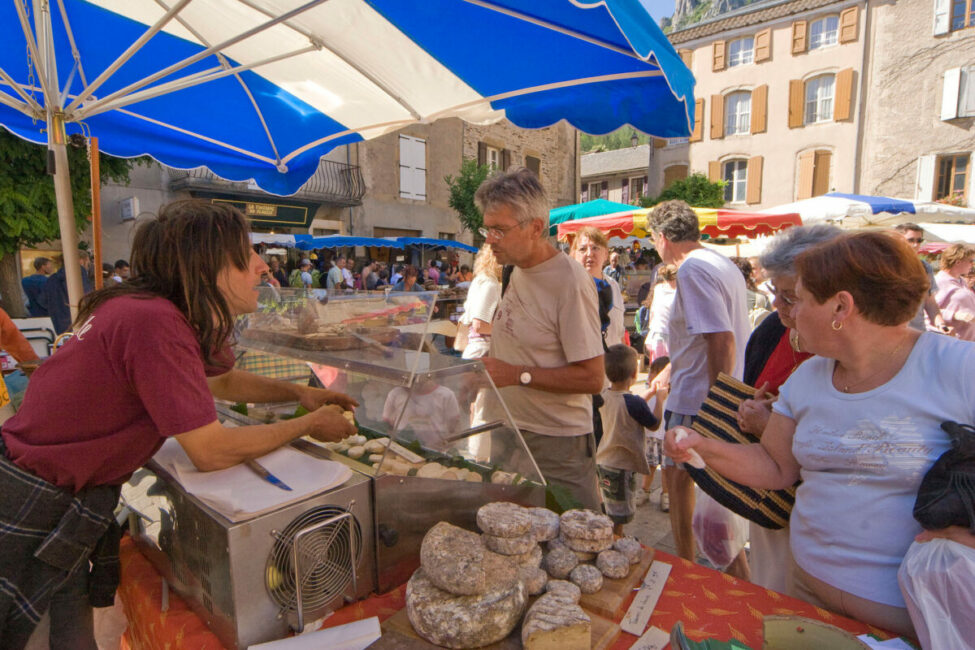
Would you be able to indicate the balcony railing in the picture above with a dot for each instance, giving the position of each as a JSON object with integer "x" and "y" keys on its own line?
{"x": 333, "y": 182}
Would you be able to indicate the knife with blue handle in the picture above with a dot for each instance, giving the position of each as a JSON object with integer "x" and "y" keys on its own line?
{"x": 261, "y": 471}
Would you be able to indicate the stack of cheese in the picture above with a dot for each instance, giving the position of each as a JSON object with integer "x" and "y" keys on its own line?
{"x": 586, "y": 537}
{"x": 463, "y": 595}
{"x": 514, "y": 531}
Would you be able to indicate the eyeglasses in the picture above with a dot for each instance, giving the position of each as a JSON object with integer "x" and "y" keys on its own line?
{"x": 498, "y": 233}
{"x": 781, "y": 295}
{"x": 915, "y": 240}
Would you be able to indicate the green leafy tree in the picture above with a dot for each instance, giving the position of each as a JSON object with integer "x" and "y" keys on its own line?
{"x": 28, "y": 209}
{"x": 462, "y": 189}
{"x": 696, "y": 190}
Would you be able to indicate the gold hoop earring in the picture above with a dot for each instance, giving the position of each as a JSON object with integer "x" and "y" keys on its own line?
{"x": 836, "y": 325}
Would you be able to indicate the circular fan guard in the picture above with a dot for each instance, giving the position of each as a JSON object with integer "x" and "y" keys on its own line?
{"x": 324, "y": 559}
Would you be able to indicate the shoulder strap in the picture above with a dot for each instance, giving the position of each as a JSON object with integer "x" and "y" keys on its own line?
{"x": 506, "y": 277}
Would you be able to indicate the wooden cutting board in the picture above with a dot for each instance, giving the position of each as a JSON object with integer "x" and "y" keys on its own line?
{"x": 608, "y": 601}
{"x": 398, "y": 634}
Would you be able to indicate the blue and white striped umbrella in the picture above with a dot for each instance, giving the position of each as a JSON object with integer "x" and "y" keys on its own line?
{"x": 261, "y": 89}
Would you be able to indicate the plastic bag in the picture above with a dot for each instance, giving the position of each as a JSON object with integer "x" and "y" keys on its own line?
{"x": 720, "y": 533}
{"x": 937, "y": 579}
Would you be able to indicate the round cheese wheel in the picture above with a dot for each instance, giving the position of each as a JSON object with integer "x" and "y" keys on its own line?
{"x": 559, "y": 562}
{"x": 587, "y": 545}
{"x": 510, "y": 545}
{"x": 613, "y": 564}
{"x": 587, "y": 577}
{"x": 585, "y": 524}
{"x": 545, "y": 524}
{"x": 504, "y": 519}
{"x": 534, "y": 579}
{"x": 630, "y": 547}
{"x": 565, "y": 589}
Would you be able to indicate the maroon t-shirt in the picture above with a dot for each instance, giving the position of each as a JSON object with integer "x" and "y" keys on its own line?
{"x": 99, "y": 408}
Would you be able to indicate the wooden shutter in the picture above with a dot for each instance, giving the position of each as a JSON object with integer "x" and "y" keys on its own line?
{"x": 760, "y": 109}
{"x": 798, "y": 37}
{"x": 797, "y": 102}
{"x": 821, "y": 165}
{"x": 659, "y": 143}
{"x": 604, "y": 190}
{"x": 625, "y": 187}
{"x": 687, "y": 56}
{"x": 481, "y": 153}
{"x": 763, "y": 45}
{"x": 942, "y": 17}
{"x": 849, "y": 19}
{"x": 585, "y": 193}
{"x": 698, "y": 133}
{"x": 717, "y": 117}
{"x": 714, "y": 170}
{"x": 753, "y": 187}
{"x": 807, "y": 166}
{"x": 717, "y": 54}
{"x": 674, "y": 173}
{"x": 950, "y": 93}
{"x": 924, "y": 184}
{"x": 843, "y": 102}
{"x": 505, "y": 159}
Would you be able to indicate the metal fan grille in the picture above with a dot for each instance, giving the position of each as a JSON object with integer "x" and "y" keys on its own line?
{"x": 325, "y": 559}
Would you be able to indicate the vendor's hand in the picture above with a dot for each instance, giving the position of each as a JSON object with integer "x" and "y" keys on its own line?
{"x": 678, "y": 450}
{"x": 662, "y": 380}
{"x": 313, "y": 398}
{"x": 958, "y": 534}
{"x": 329, "y": 424}
{"x": 501, "y": 372}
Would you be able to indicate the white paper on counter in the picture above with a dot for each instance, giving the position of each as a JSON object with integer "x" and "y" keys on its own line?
{"x": 239, "y": 494}
{"x": 356, "y": 635}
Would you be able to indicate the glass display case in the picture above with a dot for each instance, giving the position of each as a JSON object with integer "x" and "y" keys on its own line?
{"x": 432, "y": 430}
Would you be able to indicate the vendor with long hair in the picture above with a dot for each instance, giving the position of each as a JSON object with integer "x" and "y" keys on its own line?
{"x": 146, "y": 360}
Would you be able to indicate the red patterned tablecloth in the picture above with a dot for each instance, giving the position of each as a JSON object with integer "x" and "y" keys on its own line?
{"x": 709, "y": 603}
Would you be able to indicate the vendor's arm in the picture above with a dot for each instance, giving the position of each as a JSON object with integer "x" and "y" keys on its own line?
{"x": 768, "y": 464}
{"x": 934, "y": 313}
{"x": 242, "y": 386}
{"x": 13, "y": 341}
{"x": 580, "y": 377}
{"x": 214, "y": 446}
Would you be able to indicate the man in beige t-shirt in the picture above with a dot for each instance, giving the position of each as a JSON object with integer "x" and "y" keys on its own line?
{"x": 546, "y": 348}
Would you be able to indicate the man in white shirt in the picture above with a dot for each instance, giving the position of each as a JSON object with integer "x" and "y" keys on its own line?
{"x": 707, "y": 334}
{"x": 335, "y": 276}
{"x": 546, "y": 348}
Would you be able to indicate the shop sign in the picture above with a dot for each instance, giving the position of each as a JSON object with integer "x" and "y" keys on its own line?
{"x": 271, "y": 214}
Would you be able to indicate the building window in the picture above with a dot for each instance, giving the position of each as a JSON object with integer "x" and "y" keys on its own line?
{"x": 824, "y": 32}
{"x": 637, "y": 189}
{"x": 962, "y": 14}
{"x": 737, "y": 113}
{"x": 447, "y": 235}
{"x": 598, "y": 190}
{"x": 493, "y": 159}
{"x": 952, "y": 178}
{"x": 412, "y": 168}
{"x": 819, "y": 99}
{"x": 741, "y": 52}
{"x": 676, "y": 142}
{"x": 735, "y": 175}
{"x": 534, "y": 164}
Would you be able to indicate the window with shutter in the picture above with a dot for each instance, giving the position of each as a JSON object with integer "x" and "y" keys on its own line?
{"x": 625, "y": 188}
{"x": 819, "y": 99}
{"x": 824, "y": 32}
{"x": 738, "y": 113}
{"x": 674, "y": 173}
{"x": 534, "y": 164}
{"x": 958, "y": 93}
{"x": 714, "y": 170}
{"x": 763, "y": 45}
{"x": 759, "y": 109}
{"x": 848, "y": 24}
{"x": 412, "y": 168}
{"x": 505, "y": 159}
{"x": 735, "y": 175}
{"x": 796, "y": 102}
{"x": 741, "y": 52}
{"x": 717, "y": 117}
{"x": 799, "y": 37}
{"x": 952, "y": 181}
{"x": 698, "y": 133}
{"x": 717, "y": 56}
{"x": 638, "y": 188}
{"x": 942, "y": 24}
{"x": 821, "y": 170}
{"x": 687, "y": 56}
{"x": 924, "y": 184}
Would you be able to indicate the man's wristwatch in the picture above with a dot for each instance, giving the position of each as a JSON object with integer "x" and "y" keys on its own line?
{"x": 525, "y": 378}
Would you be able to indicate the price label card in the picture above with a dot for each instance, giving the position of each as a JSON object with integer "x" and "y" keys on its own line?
{"x": 653, "y": 639}
{"x": 638, "y": 615}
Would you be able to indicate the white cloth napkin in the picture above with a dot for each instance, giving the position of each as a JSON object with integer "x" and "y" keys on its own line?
{"x": 239, "y": 494}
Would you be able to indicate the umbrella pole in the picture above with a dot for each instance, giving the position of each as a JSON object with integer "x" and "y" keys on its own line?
{"x": 69, "y": 232}
{"x": 96, "y": 210}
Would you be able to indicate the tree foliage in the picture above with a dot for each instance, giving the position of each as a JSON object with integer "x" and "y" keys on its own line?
{"x": 462, "y": 189}
{"x": 696, "y": 190}
{"x": 621, "y": 138}
{"x": 28, "y": 209}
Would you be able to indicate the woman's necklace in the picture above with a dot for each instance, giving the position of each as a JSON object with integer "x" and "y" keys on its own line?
{"x": 846, "y": 387}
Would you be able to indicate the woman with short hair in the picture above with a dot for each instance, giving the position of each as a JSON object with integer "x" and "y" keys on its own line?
{"x": 591, "y": 249}
{"x": 145, "y": 362}
{"x": 954, "y": 298}
{"x": 859, "y": 424}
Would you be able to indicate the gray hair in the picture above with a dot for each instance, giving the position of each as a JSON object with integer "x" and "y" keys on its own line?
{"x": 676, "y": 221}
{"x": 779, "y": 257}
{"x": 520, "y": 190}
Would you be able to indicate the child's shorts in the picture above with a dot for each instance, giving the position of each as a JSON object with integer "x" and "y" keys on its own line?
{"x": 618, "y": 487}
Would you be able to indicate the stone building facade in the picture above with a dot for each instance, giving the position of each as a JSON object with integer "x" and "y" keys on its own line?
{"x": 625, "y": 175}
{"x": 778, "y": 98}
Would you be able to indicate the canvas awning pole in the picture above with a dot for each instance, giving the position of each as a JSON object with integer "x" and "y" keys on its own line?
{"x": 96, "y": 210}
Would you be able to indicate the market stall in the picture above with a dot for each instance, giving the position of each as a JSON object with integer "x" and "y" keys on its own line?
{"x": 861, "y": 210}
